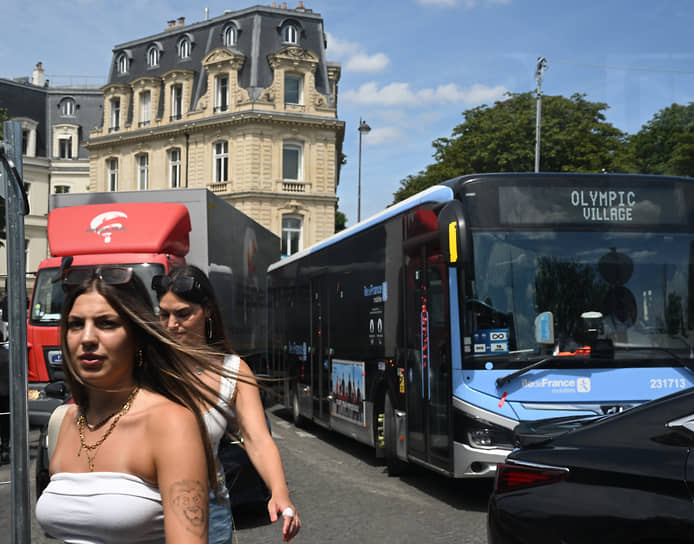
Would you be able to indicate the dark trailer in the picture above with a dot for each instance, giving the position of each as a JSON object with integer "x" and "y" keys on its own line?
{"x": 431, "y": 329}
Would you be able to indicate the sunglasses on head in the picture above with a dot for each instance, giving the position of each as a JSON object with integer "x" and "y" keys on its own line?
{"x": 185, "y": 286}
{"x": 111, "y": 275}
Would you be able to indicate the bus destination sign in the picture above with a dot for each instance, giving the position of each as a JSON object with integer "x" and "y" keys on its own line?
{"x": 540, "y": 204}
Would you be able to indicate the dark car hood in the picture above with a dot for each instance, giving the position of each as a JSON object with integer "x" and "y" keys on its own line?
{"x": 535, "y": 433}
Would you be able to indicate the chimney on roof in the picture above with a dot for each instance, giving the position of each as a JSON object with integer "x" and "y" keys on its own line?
{"x": 284, "y": 5}
{"x": 37, "y": 75}
{"x": 181, "y": 21}
{"x": 301, "y": 5}
{"x": 171, "y": 24}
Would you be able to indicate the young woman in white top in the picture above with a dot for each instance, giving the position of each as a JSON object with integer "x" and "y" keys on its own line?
{"x": 132, "y": 462}
{"x": 189, "y": 309}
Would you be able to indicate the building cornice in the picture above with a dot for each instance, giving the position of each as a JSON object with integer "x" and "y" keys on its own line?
{"x": 220, "y": 121}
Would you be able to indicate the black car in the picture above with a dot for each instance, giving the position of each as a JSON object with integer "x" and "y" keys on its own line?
{"x": 246, "y": 487}
{"x": 622, "y": 478}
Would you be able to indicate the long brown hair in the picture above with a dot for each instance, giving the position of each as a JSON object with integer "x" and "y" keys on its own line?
{"x": 167, "y": 366}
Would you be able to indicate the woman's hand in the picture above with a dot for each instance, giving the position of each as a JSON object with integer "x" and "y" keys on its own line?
{"x": 284, "y": 507}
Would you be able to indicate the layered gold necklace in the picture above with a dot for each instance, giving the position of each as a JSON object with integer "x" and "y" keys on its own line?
{"x": 82, "y": 423}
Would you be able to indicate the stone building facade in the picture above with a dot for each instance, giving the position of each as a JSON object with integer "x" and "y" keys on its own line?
{"x": 244, "y": 104}
{"x": 55, "y": 121}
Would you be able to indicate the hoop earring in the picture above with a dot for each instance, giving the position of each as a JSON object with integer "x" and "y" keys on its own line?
{"x": 139, "y": 357}
{"x": 210, "y": 331}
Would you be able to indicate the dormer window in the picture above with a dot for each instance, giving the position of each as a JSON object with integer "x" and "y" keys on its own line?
{"x": 184, "y": 48}
{"x": 290, "y": 34}
{"x": 67, "y": 107}
{"x": 153, "y": 56}
{"x": 122, "y": 63}
{"x": 230, "y": 36}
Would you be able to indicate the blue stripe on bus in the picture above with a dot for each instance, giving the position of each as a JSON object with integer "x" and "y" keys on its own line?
{"x": 435, "y": 194}
{"x": 456, "y": 352}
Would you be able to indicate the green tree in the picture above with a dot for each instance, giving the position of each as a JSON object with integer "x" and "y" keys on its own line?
{"x": 501, "y": 138}
{"x": 340, "y": 221}
{"x": 665, "y": 145}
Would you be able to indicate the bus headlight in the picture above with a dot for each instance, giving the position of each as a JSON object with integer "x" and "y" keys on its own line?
{"x": 479, "y": 433}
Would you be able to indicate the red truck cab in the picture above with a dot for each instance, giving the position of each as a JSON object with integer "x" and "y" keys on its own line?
{"x": 150, "y": 237}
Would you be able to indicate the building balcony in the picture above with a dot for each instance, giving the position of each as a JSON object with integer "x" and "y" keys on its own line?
{"x": 293, "y": 186}
{"x": 220, "y": 187}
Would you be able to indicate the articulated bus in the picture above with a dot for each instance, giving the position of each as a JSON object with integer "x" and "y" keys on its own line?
{"x": 430, "y": 330}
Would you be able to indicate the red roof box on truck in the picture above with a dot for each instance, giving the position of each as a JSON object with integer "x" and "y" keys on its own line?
{"x": 136, "y": 227}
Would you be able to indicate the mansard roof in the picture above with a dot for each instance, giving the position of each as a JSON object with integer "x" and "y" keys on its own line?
{"x": 259, "y": 34}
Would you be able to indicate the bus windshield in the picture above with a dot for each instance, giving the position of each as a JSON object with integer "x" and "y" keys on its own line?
{"x": 631, "y": 292}
{"x": 48, "y": 297}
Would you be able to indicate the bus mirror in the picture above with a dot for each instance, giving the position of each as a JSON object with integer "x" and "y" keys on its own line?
{"x": 453, "y": 233}
{"x": 544, "y": 328}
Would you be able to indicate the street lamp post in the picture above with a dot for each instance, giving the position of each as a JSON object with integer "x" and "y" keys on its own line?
{"x": 539, "y": 73}
{"x": 363, "y": 129}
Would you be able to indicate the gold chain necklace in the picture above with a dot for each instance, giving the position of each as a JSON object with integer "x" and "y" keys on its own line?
{"x": 82, "y": 422}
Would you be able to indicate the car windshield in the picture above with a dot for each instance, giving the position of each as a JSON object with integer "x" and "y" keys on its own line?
{"x": 48, "y": 296}
{"x": 632, "y": 290}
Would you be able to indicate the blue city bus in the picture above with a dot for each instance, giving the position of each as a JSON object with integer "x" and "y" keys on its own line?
{"x": 430, "y": 330}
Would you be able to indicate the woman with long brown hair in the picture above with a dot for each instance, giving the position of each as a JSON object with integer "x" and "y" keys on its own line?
{"x": 132, "y": 462}
{"x": 189, "y": 309}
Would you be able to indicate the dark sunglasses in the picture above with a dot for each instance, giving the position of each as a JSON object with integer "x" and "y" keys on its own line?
{"x": 112, "y": 275}
{"x": 184, "y": 286}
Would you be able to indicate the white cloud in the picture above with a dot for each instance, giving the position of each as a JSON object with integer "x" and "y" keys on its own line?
{"x": 366, "y": 63}
{"x": 384, "y": 135}
{"x": 357, "y": 59}
{"x": 400, "y": 94}
{"x": 341, "y": 49}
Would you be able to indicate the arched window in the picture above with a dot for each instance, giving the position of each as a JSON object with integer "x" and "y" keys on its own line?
{"x": 290, "y": 34}
{"x": 230, "y": 35}
{"x": 67, "y": 107}
{"x": 122, "y": 63}
{"x": 184, "y": 48}
{"x": 153, "y": 56}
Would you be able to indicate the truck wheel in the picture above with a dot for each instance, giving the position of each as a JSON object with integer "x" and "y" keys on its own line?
{"x": 395, "y": 465}
{"x": 298, "y": 419}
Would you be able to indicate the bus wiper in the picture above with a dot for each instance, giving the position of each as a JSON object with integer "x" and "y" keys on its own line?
{"x": 513, "y": 375}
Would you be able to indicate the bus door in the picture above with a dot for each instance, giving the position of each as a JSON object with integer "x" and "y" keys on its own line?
{"x": 320, "y": 362}
{"x": 428, "y": 362}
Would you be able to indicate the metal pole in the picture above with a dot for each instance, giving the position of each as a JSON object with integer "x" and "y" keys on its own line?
{"x": 539, "y": 73}
{"x": 359, "y": 182}
{"x": 364, "y": 128}
{"x": 16, "y": 207}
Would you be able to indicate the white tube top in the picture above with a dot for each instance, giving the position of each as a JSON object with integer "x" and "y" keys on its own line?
{"x": 101, "y": 508}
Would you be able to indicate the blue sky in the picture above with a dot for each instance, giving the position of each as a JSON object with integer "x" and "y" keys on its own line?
{"x": 409, "y": 67}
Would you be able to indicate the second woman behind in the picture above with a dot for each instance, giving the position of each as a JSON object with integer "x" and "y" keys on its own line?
{"x": 188, "y": 308}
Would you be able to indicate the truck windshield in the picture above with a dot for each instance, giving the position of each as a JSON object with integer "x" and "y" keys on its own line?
{"x": 632, "y": 291}
{"x": 48, "y": 296}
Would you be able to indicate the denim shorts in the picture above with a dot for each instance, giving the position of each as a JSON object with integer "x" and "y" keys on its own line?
{"x": 221, "y": 529}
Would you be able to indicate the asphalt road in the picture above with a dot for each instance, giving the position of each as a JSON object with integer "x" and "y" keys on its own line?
{"x": 343, "y": 496}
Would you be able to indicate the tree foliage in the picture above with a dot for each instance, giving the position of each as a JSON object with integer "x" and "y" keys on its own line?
{"x": 665, "y": 145}
{"x": 575, "y": 137}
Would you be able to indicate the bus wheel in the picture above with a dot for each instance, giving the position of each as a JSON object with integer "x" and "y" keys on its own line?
{"x": 298, "y": 419}
{"x": 395, "y": 466}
